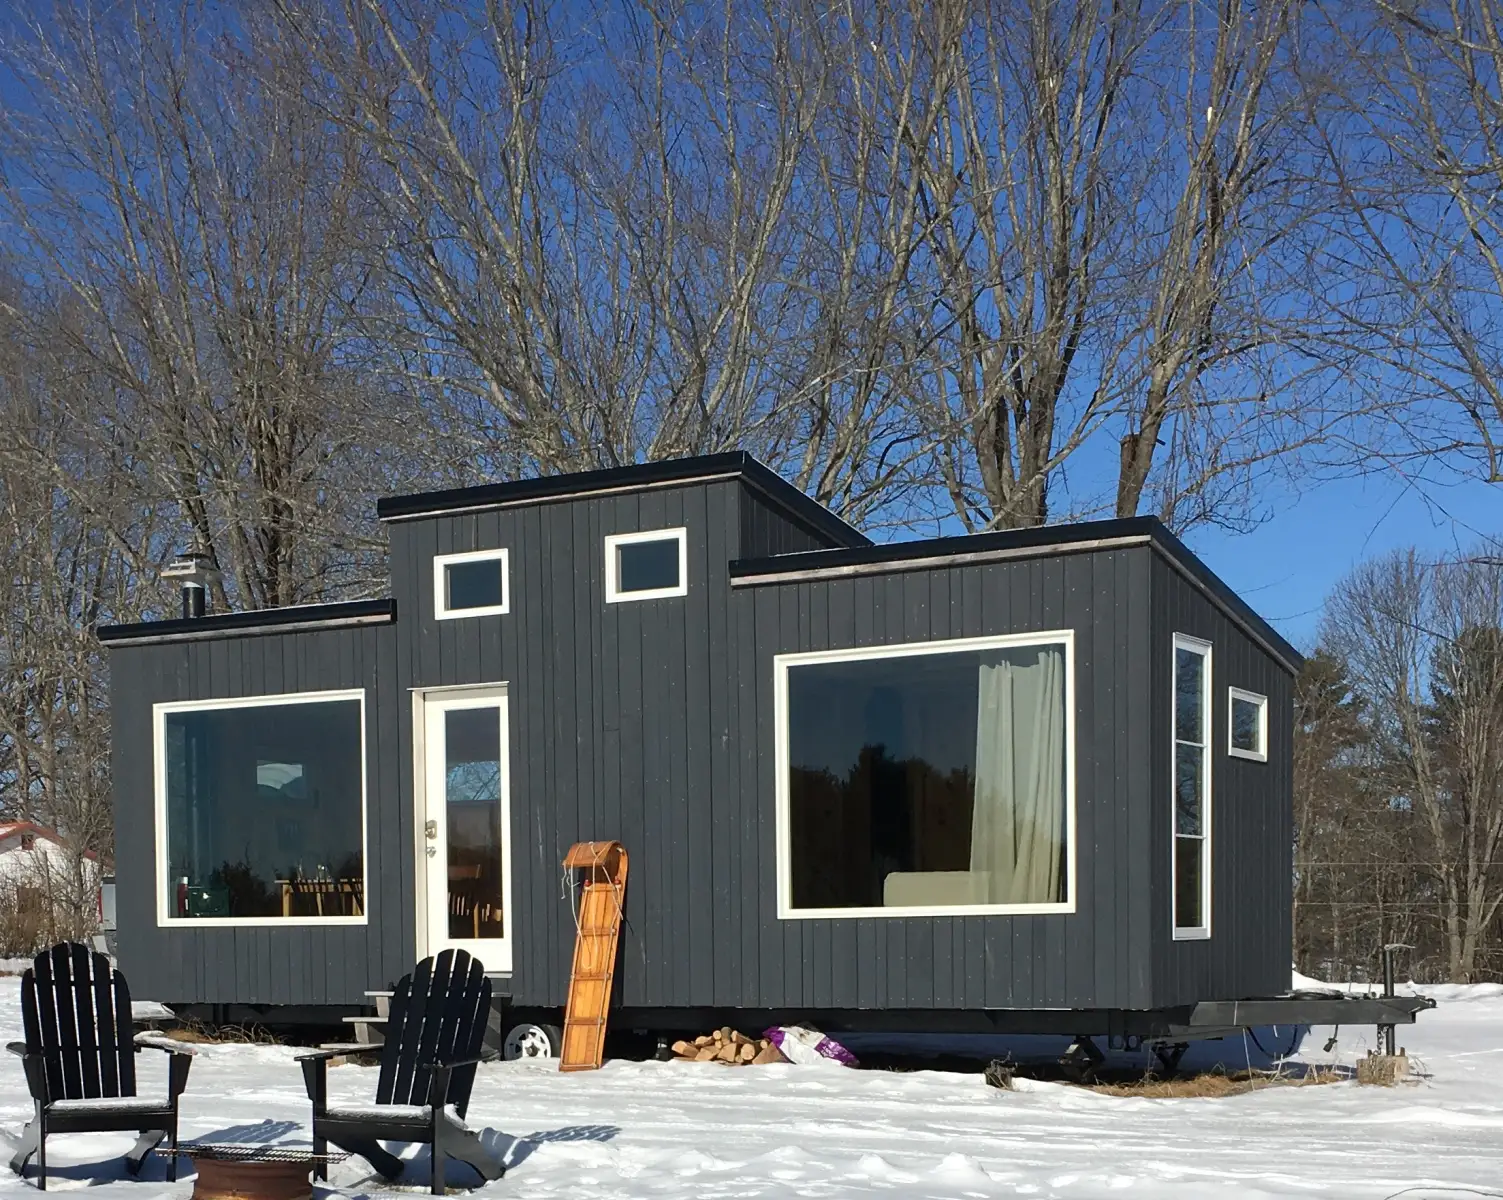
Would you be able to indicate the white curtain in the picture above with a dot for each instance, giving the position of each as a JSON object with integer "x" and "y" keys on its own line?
{"x": 1018, "y": 822}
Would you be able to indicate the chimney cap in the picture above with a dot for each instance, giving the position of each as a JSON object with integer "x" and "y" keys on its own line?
{"x": 192, "y": 567}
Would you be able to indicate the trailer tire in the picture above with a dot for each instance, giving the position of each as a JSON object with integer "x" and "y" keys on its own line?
{"x": 529, "y": 1040}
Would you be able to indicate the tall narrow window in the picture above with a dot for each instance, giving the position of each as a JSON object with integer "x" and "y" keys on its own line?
{"x": 1192, "y": 787}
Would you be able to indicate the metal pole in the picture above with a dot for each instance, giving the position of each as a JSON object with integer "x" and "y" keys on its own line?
{"x": 1385, "y": 1032}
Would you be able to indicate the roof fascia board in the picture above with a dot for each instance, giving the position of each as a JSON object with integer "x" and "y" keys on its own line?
{"x": 663, "y": 473}
{"x": 251, "y": 623}
{"x": 917, "y": 556}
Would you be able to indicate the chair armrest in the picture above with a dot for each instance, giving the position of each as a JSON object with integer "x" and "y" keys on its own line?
{"x": 36, "y": 1073}
{"x": 452, "y": 1064}
{"x": 326, "y": 1054}
{"x": 438, "y": 1082}
{"x": 157, "y": 1041}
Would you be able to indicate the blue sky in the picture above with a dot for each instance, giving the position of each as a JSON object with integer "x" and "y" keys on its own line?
{"x": 1286, "y": 567}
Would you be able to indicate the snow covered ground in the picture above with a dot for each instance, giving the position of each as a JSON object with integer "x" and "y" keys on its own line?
{"x": 639, "y": 1130}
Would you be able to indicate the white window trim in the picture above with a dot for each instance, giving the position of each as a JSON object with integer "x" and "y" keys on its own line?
{"x": 165, "y": 919}
{"x": 444, "y": 699}
{"x": 1190, "y": 933}
{"x": 441, "y": 609}
{"x": 1261, "y": 753}
{"x": 613, "y": 595}
{"x": 780, "y": 665}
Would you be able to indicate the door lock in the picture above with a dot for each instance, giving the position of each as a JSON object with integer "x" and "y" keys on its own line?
{"x": 430, "y": 831}
{"x": 432, "y": 851}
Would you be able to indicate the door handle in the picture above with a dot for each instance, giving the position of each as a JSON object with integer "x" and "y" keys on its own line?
{"x": 430, "y": 830}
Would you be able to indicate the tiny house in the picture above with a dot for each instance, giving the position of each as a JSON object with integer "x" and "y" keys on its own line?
{"x": 1027, "y": 780}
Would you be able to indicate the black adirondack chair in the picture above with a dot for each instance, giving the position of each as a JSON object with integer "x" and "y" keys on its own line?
{"x": 79, "y": 1056}
{"x": 433, "y": 1040}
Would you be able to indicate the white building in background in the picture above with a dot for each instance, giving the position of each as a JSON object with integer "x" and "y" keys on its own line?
{"x": 40, "y": 887}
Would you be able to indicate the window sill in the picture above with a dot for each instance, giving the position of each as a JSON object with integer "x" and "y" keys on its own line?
{"x": 654, "y": 594}
{"x": 1192, "y": 935}
{"x": 495, "y": 610}
{"x": 936, "y": 910}
{"x": 255, "y": 922}
{"x": 1250, "y": 755}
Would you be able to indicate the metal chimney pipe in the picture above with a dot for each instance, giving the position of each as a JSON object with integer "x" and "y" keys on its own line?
{"x": 194, "y": 571}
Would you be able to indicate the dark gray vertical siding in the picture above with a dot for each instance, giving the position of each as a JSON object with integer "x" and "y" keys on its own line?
{"x": 1251, "y": 943}
{"x": 260, "y": 964}
{"x": 768, "y": 529}
{"x": 1053, "y": 960}
{"x": 624, "y": 719}
{"x": 653, "y": 722}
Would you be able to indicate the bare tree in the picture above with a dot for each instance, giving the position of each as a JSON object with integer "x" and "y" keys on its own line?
{"x": 1109, "y": 242}
{"x": 1414, "y": 155}
{"x": 1424, "y": 645}
{"x": 206, "y": 223}
{"x": 64, "y": 566}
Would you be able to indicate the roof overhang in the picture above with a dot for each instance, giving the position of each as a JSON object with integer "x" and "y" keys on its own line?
{"x": 251, "y": 623}
{"x": 1043, "y": 542}
{"x": 637, "y": 477}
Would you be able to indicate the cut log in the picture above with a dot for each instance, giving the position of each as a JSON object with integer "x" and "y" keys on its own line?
{"x": 727, "y": 1053}
{"x": 703, "y": 1040}
{"x": 682, "y": 1048}
{"x": 739, "y": 1038}
{"x": 746, "y": 1052}
{"x": 723, "y": 1033}
{"x": 705, "y": 1054}
{"x": 768, "y": 1054}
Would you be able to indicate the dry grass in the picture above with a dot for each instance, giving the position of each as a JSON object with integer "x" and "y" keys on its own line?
{"x": 1215, "y": 1084}
{"x": 198, "y": 1033}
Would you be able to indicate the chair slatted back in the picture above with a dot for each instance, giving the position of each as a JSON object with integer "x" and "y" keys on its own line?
{"x": 438, "y": 1013}
{"x": 75, "y": 1009}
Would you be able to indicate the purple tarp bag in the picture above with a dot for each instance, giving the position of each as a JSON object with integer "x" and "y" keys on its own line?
{"x": 804, "y": 1046}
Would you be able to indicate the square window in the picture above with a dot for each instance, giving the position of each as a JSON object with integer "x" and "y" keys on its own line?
{"x": 472, "y": 584}
{"x": 1248, "y": 725}
{"x": 261, "y": 809}
{"x": 646, "y": 566}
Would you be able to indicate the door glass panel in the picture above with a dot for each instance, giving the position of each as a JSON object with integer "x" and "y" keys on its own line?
{"x": 472, "y": 796}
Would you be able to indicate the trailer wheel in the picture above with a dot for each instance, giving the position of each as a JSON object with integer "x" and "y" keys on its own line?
{"x": 527, "y": 1040}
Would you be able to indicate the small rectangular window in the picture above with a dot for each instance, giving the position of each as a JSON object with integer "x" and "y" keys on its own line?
{"x": 646, "y": 566}
{"x": 1248, "y": 725}
{"x": 473, "y": 584}
{"x": 1192, "y": 787}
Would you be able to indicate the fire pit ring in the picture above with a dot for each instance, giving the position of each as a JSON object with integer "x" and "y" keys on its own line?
{"x": 253, "y": 1172}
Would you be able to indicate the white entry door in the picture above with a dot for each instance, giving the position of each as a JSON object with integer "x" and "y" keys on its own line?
{"x": 464, "y": 835}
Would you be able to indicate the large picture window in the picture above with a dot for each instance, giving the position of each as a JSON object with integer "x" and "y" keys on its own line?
{"x": 1192, "y": 787}
{"x": 927, "y": 778}
{"x": 261, "y": 809}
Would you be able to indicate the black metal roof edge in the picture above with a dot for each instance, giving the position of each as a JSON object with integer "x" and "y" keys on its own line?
{"x": 1221, "y": 592}
{"x": 659, "y": 471}
{"x": 254, "y": 621}
{"x": 1042, "y": 538}
{"x": 796, "y": 504}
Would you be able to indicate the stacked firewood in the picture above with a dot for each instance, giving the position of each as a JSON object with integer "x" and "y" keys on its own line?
{"x": 727, "y": 1045}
